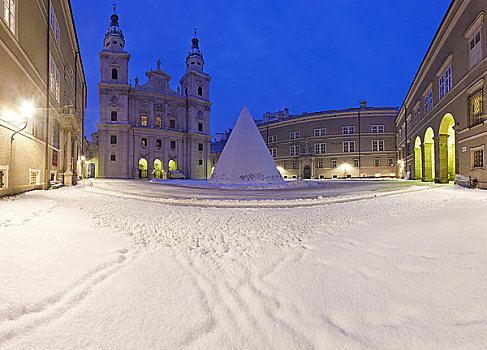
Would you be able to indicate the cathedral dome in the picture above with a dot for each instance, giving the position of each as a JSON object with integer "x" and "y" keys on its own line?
{"x": 114, "y": 28}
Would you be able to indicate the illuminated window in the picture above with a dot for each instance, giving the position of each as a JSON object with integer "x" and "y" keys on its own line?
{"x": 158, "y": 143}
{"x": 348, "y": 129}
{"x": 143, "y": 120}
{"x": 114, "y": 116}
{"x": 143, "y": 142}
{"x": 320, "y": 148}
{"x": 158, "y": 122}
{"x": 475, "y": 46}
{"x": 114, "y": 74}
{"x": 475, "y": 108}
{"x": 54, "y": 24}
{"x": 294, "y": 150}
{"x": 377, "y": 129}
{"x": 9, "y": 13}
{"x": 377, "y": 145}
{"x": 349, "y": 146}
{"x": 445, "y": 82}
{"x": 428, "y": 102}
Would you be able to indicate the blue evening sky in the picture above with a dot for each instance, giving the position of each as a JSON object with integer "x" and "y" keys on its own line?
{"x": 307, "y": 55}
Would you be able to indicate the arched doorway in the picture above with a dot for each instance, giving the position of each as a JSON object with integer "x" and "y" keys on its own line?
{"x": 91, "y": 170}
{"x": 418, "y": 162}
{"x": 142, "y": 168}
{"x": 172, "y": 166}
{"x": 157, "y": 169}
{"x": 429, "y": 155}
{"x": 307, "y": 172}
{"x": 446, "y": 147}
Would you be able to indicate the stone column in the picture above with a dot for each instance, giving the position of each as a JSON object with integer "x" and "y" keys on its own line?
{"x": 417, "y": 164}
{"x": 442, "y": 155}
{"x": 428, "y": 162}
{"x": 68, "y": 175}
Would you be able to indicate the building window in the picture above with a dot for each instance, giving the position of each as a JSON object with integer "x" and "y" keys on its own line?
{"x": 475, "y": 46}
{"x": 333, "y": 163}
{"x": 377, "y": 129}
{"x": 143, "y": 142}
{"x": 348, "y": 129}
{"x": 200, "y": 91}
{"x": 173, "y": 144}
{"x": 158, "y": 122}
{"x": 200, "y": 127}
{"x": 186, "y": 91}
{"x": 54, "y": 79}
{"x": 273, "y": 152}
{"x": 112, "y": 157}
{"x": 113, "y": 139}
{"x": 294, "y": 150}
{"x": 417, "y": 115}
{"x": 376, "y": 161}
{"x": 320, "y": 132}
{"x": 378, "y": 145}
{"x": 200, "y": 161}
{"x": 295, "y": 165}
{"x": 319, "y": 164}
{"x": 478, "y": 158}
{"x": 294, "y": 135}
{"x": 54, "y": 23}
{"x": 158, "y": 143}
{"x": 428, "y": 102}
{"x": 114, "y": 74}
{"x": 4, "y": 176}
{"x": 475, "y": 108}
{"x": 114, "y": 116}
{"x": 320, "y": 148}
{"x": 34, "y": 177}
{"x": 445, "y": 82}
{"x": 349, "y": 146}
{"x": 9, "y": 13}
{"x": 356, "y": 163}
{"x": 273, "y": 138}
{"x": 143, "y": 120}
{"x": 200, "y": 146}
{"x": 391, "y": 161}
{"x": 172, "y": 124}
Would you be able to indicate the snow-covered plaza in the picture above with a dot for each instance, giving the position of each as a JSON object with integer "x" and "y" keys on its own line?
{"x": 123, "y": 264}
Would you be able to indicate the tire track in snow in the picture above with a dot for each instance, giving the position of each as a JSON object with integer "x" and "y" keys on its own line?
{"x": 25, "y": 320}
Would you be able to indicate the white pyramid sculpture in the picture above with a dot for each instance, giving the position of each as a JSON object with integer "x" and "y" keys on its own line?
{"x": 245, "y": 160}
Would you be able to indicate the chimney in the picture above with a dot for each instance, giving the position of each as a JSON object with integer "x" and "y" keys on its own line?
{"x": 363, "y": 104}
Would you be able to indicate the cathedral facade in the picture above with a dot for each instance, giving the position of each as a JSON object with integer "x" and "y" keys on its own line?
{"x": 150, "y": 130}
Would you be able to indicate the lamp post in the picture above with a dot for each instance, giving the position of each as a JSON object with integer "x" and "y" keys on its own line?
{"x": 27, "y": 110}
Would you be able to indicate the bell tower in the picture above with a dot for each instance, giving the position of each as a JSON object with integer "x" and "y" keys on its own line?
{"x": 195, "y": 83}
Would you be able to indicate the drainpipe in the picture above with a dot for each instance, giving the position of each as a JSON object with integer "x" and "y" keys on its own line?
{"x": 48, "y": 87}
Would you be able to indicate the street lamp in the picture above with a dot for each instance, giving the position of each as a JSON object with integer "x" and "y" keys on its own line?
{"x": 25, "y": 112}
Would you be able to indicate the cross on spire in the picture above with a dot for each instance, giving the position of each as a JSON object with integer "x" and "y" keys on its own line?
{"x": 114, "y": 7}
{"x": 195, "y": 31}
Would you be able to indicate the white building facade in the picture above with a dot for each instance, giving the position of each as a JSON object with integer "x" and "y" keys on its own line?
{"x": 150, "y": 130}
